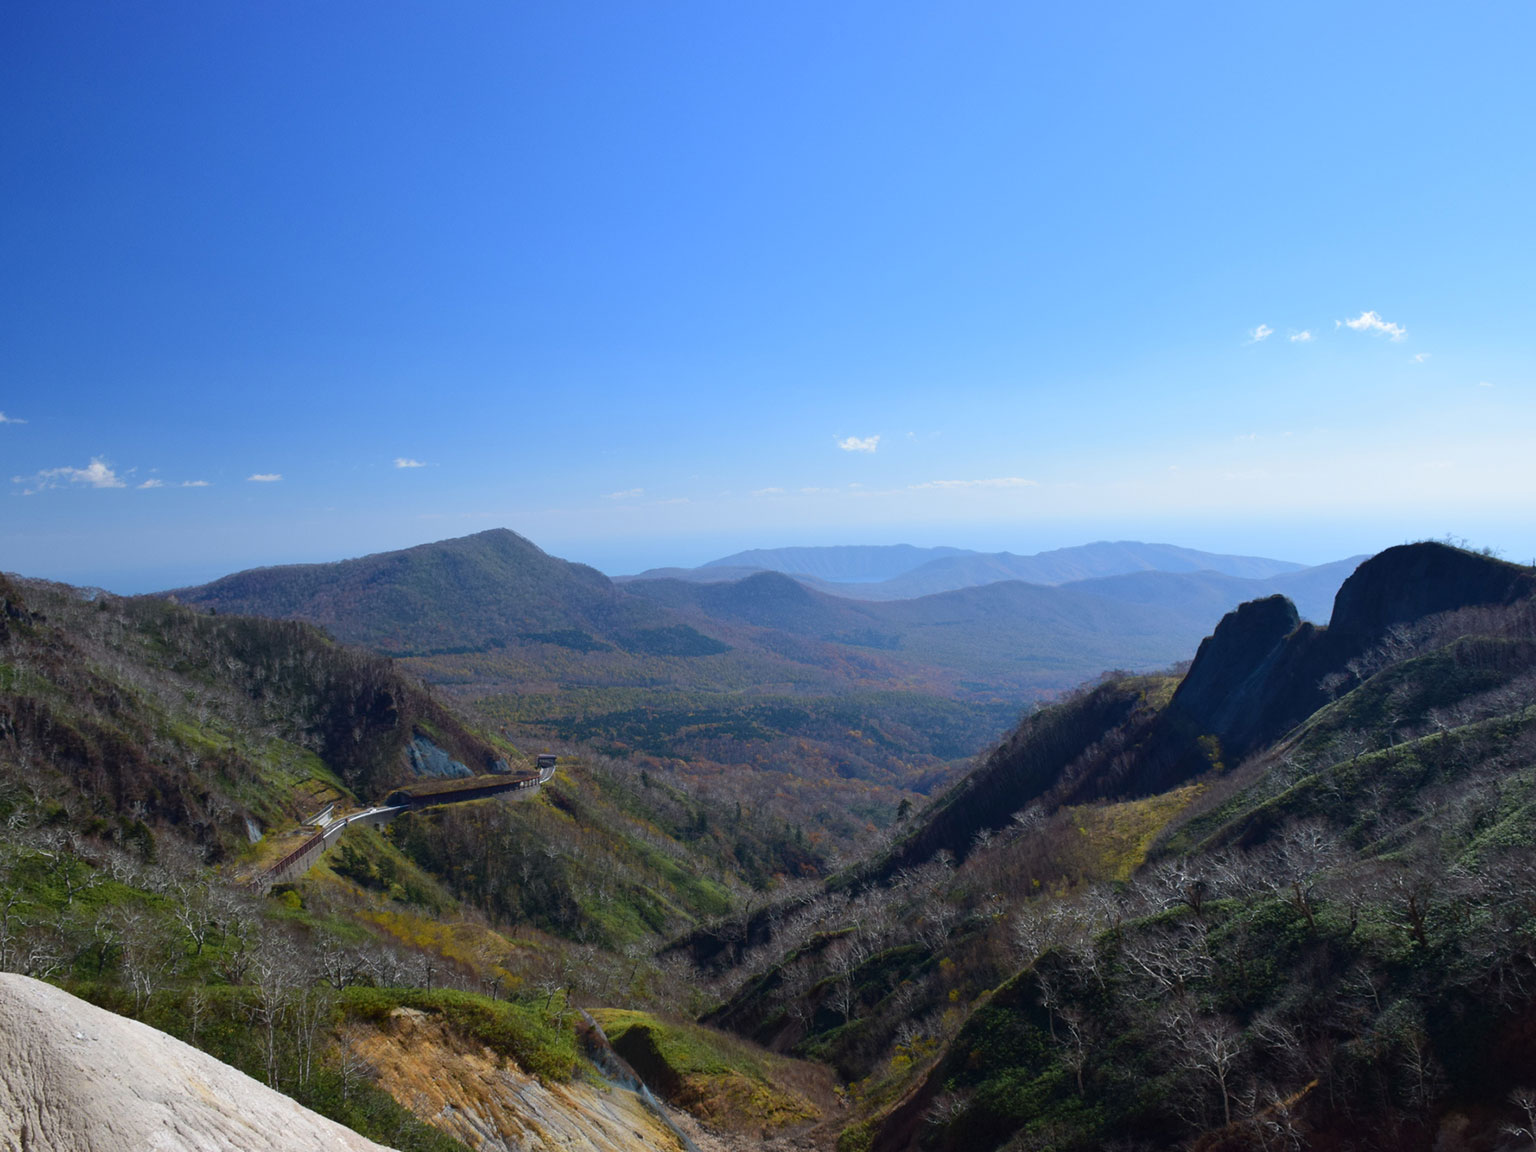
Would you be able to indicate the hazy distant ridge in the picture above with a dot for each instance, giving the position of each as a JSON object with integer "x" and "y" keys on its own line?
{"x": 902, "y": 572}
{"x": 839, "y": 561}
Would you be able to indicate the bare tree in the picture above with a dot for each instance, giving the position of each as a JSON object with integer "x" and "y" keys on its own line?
{"x": 1298, "y": 856}
{"x": 275, "y": 980}
{"x": 1210, "y": 1046}
{"x": 1525, "y": 1100}
{"x": 1169, "y": 959}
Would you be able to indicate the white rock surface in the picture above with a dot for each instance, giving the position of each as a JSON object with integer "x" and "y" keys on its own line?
{"x": 76, "y": 1078}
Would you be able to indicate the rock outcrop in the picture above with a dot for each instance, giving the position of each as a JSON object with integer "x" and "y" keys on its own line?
{"x": 490, "y": 1104}
{"x": 76, "y": 1078}
{"x": 1227, "y": 691}
{"x": 1261, "y": 672}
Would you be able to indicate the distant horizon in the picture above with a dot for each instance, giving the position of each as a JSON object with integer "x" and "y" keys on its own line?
{"x": 691, "y": 554}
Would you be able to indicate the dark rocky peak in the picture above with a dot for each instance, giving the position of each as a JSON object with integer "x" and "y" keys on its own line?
{"x": 1412, "y": 581}
{"x": 1231, "y": 662}
{"x": 1251, "y": 680}
{"x": 1259, "y": 674}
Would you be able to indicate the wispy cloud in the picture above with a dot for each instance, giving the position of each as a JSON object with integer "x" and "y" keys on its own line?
{"x": 1262, "y": 332}
{"x": 1484, "y": 384}
{"x": 407, "y": 462}
{"x": 995, "y": 482}
{"x": 4, "y": 419}
{"x": 152, "y": 483}
{"x": 768, "y": 492}
{"x": 1372, "y": 322}
{"x": 97, "y": 474}
{"x": 859, "y": 444}
{"x": 1420, "y": 357}
{"x": 1302, "y": 337}
{"x": 264, "y": 478}
{"x": 626, "y": 494}
{"x": 194, "y": 483}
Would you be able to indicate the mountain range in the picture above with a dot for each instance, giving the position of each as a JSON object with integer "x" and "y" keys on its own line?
{"x": 902, "y": 572}
{"x": 883, "y": 696}
{"x": 1280, "y": 898}
{"x": 1140, "y": 605}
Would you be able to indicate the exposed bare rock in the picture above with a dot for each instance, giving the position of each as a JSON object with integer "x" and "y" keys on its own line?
{"x": 490, "y": 1104}
{"x": 76, "y": 1078}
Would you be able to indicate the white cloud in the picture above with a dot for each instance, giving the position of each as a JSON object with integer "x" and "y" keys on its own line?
{"x": 768, "y": 492}
{"x": 407, "y": 462}
{"x": 97, "y": 474}
{"x": 627, "y": 494}
{"x": 1372, "y": 322}
{"x": 1302, "y": 337}
{"x": 1484, "y": 384}
{"x": 1262, "y": 332}
{"x": 153, "y": 483}
{"x": 1420, "y": 357}
{"x": 194, "y": 483}
{"x": 995, "y": 482}
{"x": 858, "y": 444}
{"x": 4, "y": 419}
{"x": 264, "y": 478}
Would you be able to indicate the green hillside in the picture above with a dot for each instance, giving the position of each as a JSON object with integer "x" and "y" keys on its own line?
{"x": 1114, "y": 934}
{"x": 153, "y": 757}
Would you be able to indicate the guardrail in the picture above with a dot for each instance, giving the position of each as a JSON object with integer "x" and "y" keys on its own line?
{"x": 302, "y": 858}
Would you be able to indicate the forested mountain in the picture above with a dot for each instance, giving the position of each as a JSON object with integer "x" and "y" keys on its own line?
{"x": 467, "y": 594}
{"x": 153, "y": 758}
{"x": 1282, "y": 901}
{"x": 1004, "y": 637}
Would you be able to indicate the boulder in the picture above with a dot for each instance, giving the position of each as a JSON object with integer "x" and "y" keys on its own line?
{"x": 76, "y": 1078}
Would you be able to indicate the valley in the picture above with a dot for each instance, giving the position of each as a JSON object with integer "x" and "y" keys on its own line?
{"x": 830, "y": 872}
{"x": 837, "y": 708}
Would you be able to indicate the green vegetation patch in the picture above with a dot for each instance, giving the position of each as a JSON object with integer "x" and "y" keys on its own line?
{"x": 713, "y": 1076}
{"x": 518, "y": 1030}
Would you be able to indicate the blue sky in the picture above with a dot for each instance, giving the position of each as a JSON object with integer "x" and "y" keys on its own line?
{"x": 653, "y": 283}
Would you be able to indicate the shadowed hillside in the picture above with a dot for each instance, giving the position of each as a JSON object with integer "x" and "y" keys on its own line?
{"x": 1282, "y": 902}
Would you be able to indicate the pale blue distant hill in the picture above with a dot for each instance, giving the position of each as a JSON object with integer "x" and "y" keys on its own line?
{"x": 1209, "y": 595}
{"x": 902, "y": 572}
{"x": 838, "y": 562}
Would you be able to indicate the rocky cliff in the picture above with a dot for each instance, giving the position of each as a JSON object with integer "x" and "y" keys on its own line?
{"x": 1262, "y": 671}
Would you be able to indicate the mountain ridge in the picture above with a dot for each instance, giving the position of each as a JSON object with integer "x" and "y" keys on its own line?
{"x": 902, "y": 572}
